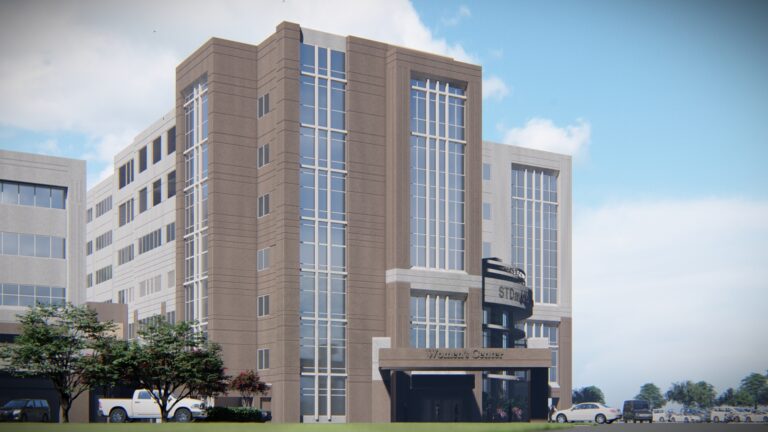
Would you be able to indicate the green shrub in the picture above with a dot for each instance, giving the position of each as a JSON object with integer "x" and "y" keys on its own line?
{"x": 233, "y": 414}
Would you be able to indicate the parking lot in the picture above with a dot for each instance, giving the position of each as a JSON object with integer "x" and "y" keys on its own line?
{"x": 677, "y": 427}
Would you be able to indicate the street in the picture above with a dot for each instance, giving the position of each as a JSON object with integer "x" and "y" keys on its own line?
{"x": 676, "y": 427}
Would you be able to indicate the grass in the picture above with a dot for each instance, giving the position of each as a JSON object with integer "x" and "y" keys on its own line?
{"x": 268, "y": 427}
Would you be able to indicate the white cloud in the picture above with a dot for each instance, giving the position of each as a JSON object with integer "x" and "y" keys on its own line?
{"x": 456, "y": 18}
{"x": 669, "y": 291}
{"x": 543, "y": 134}
{"x": 494, "y": 88}
{"x": 108, "y": 68}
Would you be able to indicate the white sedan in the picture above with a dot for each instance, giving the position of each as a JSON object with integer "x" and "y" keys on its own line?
{"x": 587, "y": 412}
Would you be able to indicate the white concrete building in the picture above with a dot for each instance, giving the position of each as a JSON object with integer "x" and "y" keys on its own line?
{"x": 42, "y": 216}
{"x": 131, "y": 228}
{"x": 527, "y": 223}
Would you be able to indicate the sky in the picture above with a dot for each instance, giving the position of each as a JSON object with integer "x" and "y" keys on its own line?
{"x": 663, "y": 104}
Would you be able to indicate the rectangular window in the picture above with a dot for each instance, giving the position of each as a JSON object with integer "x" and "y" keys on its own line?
{"x": 170, "y": 232}
{"x": 486, "y": 171}
{"x": 150, "y": 241}
{"x": 487, "y": 211}
{"x": 125, "y": 255}
{"x": 263, "y": 359}
{"x": 262, "y": 259}
{"x": 104, "y": 240}
{"x": 171, "y": 139}
{"x": 263, "y": 108}
{"x": 143, "y": 159}
{"x": 89, "y": 215}
{"x": 104, "y": 206}
{"x": 437, "y": 321}
{"x": 126, "y": 174}
{"x": 172, "y": 184}
{"x": 157, "y": 150}
{"x": 103, "y": 274}
{"x": 143, "y": 200}
{"x": 263, "y": 207}
{"x": 89, "y": 280}
{"x": 157, "y": 192}
{"x": 125, "y": 212}
{"x": 262, "y": 305}
{"x": 89, "y": 248}
{"x": 263, "y": 156}
{"x": 486, "y": 250}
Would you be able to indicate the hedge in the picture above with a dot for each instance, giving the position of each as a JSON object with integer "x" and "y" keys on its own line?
{"x": 233, "y": 414}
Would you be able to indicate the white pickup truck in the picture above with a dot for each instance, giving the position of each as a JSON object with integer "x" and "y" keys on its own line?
{"x": 142, "y": 406}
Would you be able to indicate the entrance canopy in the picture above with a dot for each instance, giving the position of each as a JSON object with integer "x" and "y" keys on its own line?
{"x": 463, "y": 359}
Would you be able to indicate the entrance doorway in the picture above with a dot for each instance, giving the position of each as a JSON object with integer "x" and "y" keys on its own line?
{"x": 436, "y": 398}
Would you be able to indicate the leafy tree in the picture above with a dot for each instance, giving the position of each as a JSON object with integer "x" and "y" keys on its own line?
{"x": 649, "y": 392}
{"x": 62, "y": 343}
{"x": 755, "y": 385}
{"x": 168, "y": 360}
{"x": 742, "y": 398}
{"x": 588, "y": 394}
{"x": 248, "y": 383}
{"x": 688, "y": 393}
{"x": 726, "y": 398}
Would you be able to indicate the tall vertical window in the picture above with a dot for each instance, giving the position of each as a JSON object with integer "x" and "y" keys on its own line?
{"x": 322, "y": 235}
{"x": 143, "y": 159}
{"x": 143, "y": 200}
{"x": 549, "y": 331}
{"x": 157, "y": 192}
{"x": 157, "y": 150}
{"x": 437, "y": 175}
{"x": 195, "y": 204}
{"x": 171, "y": 140}
{"x": 125, "y": 174}
{"x": 534, "y": 229}
{"x": 171, "y": 184}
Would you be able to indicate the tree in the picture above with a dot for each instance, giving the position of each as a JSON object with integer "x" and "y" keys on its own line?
{"x": 62, "y": 343}
{"x": 688, "y": 393}
{"x": 649, "y": 392}
{"x": 248, "y": 383}
{"x": 588, "y": 394}
{"x": 755, "y": 386}
{"x": 170, "y": 359}
{"x": 726, "y": 398}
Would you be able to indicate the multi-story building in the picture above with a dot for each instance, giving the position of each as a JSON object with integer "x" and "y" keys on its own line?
{"x": 131, "y": 229}
{"x": 336, "y": 204}
{"x": 42, "y": 220}
{"x": 331, "y": 232}
{"x": 527, "y": 223}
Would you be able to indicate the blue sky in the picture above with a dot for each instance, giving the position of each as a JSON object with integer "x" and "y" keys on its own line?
{"x": 664, "y": 105}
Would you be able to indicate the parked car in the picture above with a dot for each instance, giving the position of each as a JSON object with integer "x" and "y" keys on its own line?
{"x": 701, "y": 414}
{"x": 143, "y": 406}
{"x": 674, "y": 417}
{"x": 587, "y": 412}
{"x": 746, "y": 415}
{"x": 26, "y": 410}
{"x": 637, "y": 411}
{"x": 720, "y": 414}
{"x": 659, "y": 415}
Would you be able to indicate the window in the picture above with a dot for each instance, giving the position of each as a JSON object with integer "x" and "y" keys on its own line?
{"x": 143, "y": 159}
{"x": 170, "y": 232}
{"x": 157, "y": 192}
{"x": 171, "y": 317}
{"x": 89, "y": 248}
{"x": 31, "y": 245}
{"x": 486, "y": 171}
{"x": 89, "y": 215}
{"x": 172, "y": 184}
{"x": 262, "y": 259}
{"x": 534, "y": 243}
{"x": 487, "y": 211}
{"x": 263, "y": 105}
{"x": 437, "y": 321}
{"x": 262, "y": 305}
{"x": 486, "y": 250}
{"x": 437, "y": 174}
{"x": 171, "y": 278}
{"x": 125, "y": 174}
{"x": 104, "y": 206}
{"x": 125, "y": 212}
{"x": 549, "y": 331}
{"x": 157, "y": 150}
{"x": 263, "y": 359}
{"x": 263, "y": 209}
{"x": 104, "y": 240}
{"x": 171, "y": 139}
{"x": 143, "y": 200}
{"x": 125, "y": 255}
{"x": 103, "y": 274}
{"x": 30, "y": 295}
{"x": 150, "y": 241}
{"x": 262, "y": 156}
{"x": 89, "y": 280}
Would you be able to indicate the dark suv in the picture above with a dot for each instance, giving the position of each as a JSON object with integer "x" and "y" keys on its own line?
{"x": 25, "y": 410}
{"x": 637, "y": 411}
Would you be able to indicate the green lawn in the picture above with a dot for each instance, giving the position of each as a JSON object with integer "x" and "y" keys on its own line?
{"x": 260, "y": 427}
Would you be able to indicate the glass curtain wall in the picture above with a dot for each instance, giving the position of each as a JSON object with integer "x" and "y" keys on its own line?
{"x": 196, "y": 204}
{"x": 437, "y": 175}
{"x": 534, "y": 229}
{"x": 323, "y": 228}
